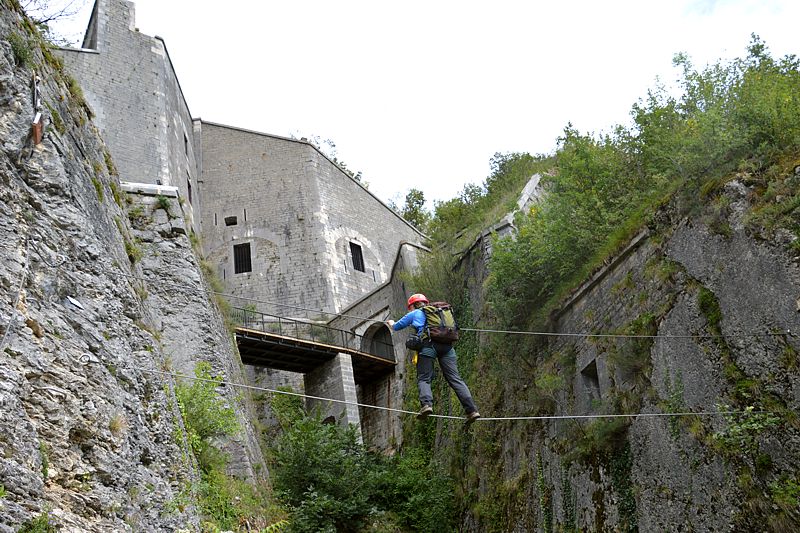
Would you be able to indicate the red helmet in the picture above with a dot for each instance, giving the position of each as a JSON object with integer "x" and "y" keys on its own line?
{"x": 416, "y": 298}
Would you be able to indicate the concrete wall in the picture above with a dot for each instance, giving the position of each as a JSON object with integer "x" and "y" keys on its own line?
{"x": 131, "y": 86}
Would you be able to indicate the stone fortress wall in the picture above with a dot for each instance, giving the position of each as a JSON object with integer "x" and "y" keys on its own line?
{"x": 129, "y": 82}
{"x": 279, "y": 221}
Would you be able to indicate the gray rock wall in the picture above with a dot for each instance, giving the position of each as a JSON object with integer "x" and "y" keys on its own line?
{"x": 683, "y": 280}
{"x": 187, "y": 323}
{"x": 89, "y": 425}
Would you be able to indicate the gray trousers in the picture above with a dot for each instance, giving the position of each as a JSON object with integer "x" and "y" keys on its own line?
{"x": 447, "y": 362}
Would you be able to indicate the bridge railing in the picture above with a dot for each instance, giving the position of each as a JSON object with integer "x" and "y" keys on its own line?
{"x": 305, "y": 330}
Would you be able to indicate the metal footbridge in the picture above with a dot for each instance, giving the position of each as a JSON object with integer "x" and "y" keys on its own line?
{"x": 301, "y": 346}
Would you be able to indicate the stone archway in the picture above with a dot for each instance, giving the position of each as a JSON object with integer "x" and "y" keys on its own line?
{"x": 377, "y": 340}
{"x": 376, "y": 424}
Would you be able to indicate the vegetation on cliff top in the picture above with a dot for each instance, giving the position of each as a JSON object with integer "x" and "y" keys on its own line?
{"x": 740, "y": 116}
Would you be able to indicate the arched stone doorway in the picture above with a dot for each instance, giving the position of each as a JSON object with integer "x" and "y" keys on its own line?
{"x": 376, "y": 424}
{"x": 377, "y": 340}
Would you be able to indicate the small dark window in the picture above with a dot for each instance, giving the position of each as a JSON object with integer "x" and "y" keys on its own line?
{"x": 189, "y": 188}
{"x": 245, "y": 215}
{"x": 186, "y": 145}
{"x": 215, "y": 219}
{"x": 591, "y": 380}
{"x": 241, "y": 258}
{"x": 358, "y": 257}
{"x": 231, "y": 221}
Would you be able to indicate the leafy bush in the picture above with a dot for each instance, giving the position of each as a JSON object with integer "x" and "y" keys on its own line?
{"x": 740, "y": 436}
{"x": 739, "y": 115}
{"x": 21, "y": 49}
{"x": 331, "y": 482}
{"x": 205, "y": 415}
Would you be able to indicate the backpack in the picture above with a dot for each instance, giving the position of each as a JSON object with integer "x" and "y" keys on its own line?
{"x": 441, "y": 323}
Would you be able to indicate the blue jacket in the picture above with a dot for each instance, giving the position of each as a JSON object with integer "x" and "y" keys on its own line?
{"x": 414, "y": 318}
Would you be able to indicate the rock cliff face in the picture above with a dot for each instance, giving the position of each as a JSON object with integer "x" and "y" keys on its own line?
{"x": 93, "y": 318}
{"x": 722, "y": 296}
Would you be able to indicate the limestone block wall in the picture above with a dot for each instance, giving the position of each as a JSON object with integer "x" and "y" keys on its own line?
{"x": 129, "y": 81}
{"x": 380, "y": 428}
{"x": 334, "y": 379}
{"x": 351, "y": 214}
{"x": 299, "y": 213}
{"x": 264, "y": 183}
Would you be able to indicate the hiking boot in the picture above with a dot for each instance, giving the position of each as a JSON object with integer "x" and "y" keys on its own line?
{"x": 425, "y": 412}
{"x": 472, "y": 417}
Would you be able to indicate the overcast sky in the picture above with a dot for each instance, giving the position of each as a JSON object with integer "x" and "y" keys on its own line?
{"x": 421, "y": 94}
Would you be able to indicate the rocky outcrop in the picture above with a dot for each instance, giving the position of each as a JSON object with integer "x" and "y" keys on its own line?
{"x": 91, "y": 324}
{"x": 721, "y": 295}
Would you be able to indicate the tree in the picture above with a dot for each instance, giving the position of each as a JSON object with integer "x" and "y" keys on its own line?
{"x": 46, "y": 13}
{"x": 414, "y": 210}
{"x": 328, "y": 148}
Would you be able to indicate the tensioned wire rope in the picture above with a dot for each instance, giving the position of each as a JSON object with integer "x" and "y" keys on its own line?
{"x": 85, "y": 360}
{"x": 477, "y": 330}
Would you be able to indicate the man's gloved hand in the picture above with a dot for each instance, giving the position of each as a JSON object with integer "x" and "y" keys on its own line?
{"x": 390, "y": 323}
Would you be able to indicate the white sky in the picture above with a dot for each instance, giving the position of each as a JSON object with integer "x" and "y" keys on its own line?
{"x": 422, "y": 94}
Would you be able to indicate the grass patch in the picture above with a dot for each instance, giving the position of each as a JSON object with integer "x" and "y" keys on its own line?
{"x": 112, "y": 168}
{"x": 21, "y": 50}
{"x": 58, "y": 122}
{"x": 133, "y": 251}
{"x": 116, "y": 193}
{"x": 45, "y": 458}
{"x": 39, "y": 524}
{"x": 117, "y": 425}
{"x": 98, "y": 187}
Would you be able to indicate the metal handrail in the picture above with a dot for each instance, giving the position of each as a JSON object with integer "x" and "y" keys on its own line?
{"x": 308, "y": 330}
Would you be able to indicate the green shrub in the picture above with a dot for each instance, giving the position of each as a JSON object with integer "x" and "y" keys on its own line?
{"x": 21, "y": 49}
{"x": 40, "y": 524}
{"x": 331, "y": 483}
{"x": 205, "y": 415}
{"x": 162, "y": 202}
{"x": 786, "y": 493}
{"x": 740, "y": 436}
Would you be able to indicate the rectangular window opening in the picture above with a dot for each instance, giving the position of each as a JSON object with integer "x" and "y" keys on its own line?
{"x": 245, "y": 215}
{"x": 241, "y": 258}
{"x": 215, "y": 219}
{"x": 591, "y": 380}
{"x": 231, "y": 221}
{"x": 186, "y": 145}
{"x": 358, "y": 257}
{"x": 189, "y": 189}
